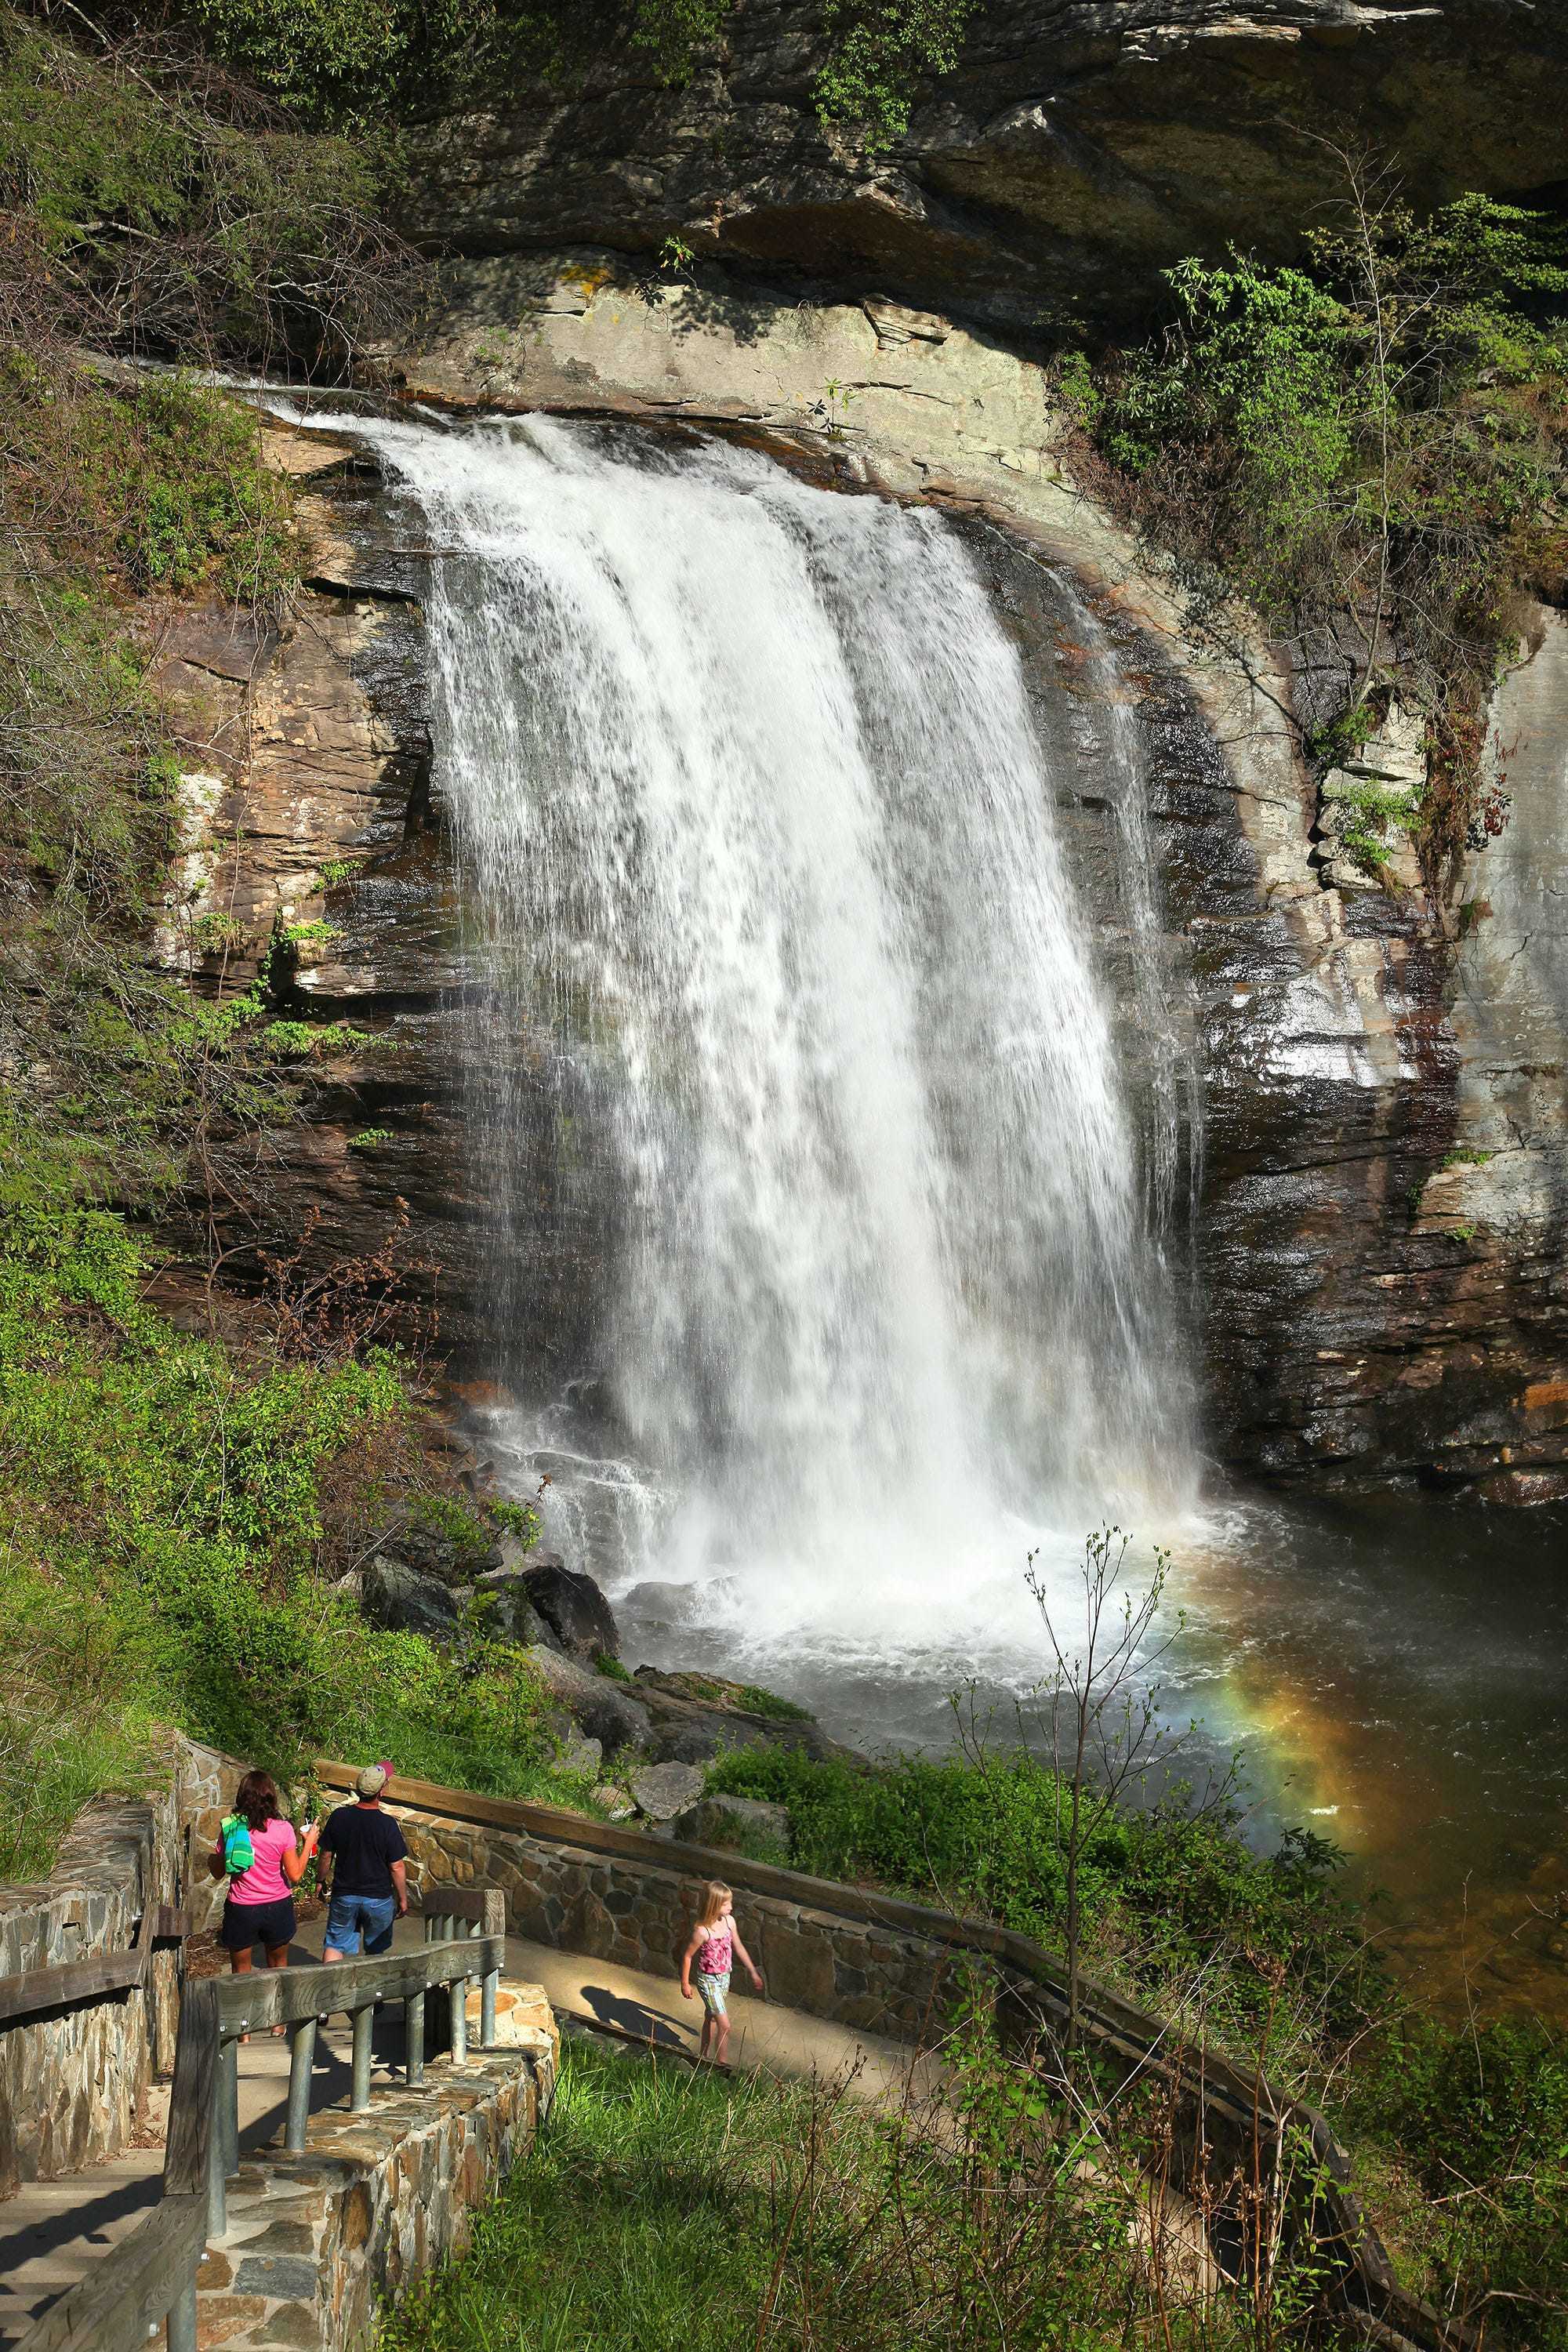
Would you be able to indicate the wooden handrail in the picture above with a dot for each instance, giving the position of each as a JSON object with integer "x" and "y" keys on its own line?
{"x": 80, "y": 1984}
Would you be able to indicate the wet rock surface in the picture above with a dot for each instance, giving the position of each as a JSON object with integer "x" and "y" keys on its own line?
{"x": 404, "y": 1600}
{"x": 604, "y": 1708}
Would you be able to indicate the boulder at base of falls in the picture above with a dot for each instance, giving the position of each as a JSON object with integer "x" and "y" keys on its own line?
{"x": 580, "y": 1620}
{"x": 745, "y": 1824}
{"x": 404, "y": 1599}
{"x": 695, "y": 1716}
{"x": 662, "y": 1790}
{"x": 605, "y": 1710}
{"x": 507, "y": 1610}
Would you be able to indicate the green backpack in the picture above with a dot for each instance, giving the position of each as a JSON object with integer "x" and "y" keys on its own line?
{"x": 239, "y": 1854}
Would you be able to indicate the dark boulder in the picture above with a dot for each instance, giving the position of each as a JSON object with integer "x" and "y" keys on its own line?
{"x": 432, "y": 1552}
{"x": 571, "y": 1606}
{"x": 604, "y": 1709}
{"x": 740, "y": 1824}
{"x": 505, "y": 1610}
{"x": 403, "y": 1601}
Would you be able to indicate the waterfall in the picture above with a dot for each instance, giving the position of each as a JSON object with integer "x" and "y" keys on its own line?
{"x": 762, "y": 848}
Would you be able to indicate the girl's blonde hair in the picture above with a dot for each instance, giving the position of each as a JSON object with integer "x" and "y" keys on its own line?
{"x": 715, "y": 1895}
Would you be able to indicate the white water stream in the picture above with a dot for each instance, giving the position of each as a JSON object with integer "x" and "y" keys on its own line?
{"x": 762, "y": 840}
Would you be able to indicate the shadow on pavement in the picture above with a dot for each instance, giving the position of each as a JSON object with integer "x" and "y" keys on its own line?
{"x": 632, "y": 2017}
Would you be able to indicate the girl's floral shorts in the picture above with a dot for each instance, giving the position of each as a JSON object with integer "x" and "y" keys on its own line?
{"x": 713, "y": 1989}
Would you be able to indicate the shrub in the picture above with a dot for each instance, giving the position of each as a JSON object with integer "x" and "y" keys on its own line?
{"x": 171, "y": 1513}
{"x": 1168, "y": 1893}
{"x": 758, "y": 1701}
{"x": 149, "y": 207}
{"x": 1478, "y": 2114}
{"x": 878, "y": 53}
{"x": 1381, "y": 431}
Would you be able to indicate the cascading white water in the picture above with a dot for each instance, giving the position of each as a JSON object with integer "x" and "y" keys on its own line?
{"x": 762, "y": 840}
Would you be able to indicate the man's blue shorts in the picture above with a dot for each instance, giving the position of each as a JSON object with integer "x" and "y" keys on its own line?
{"x": 352, "y": 1917}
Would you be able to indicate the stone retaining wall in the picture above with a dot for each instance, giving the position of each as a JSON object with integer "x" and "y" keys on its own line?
{"x": 315, "y": 2240}
{"x": 204, "y": 1791}
{"x": 73, "y": 2088}
{"x": 638, "y": 1912}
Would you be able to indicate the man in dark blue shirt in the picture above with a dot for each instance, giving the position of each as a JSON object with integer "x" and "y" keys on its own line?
{"x": 363, "y": 1848}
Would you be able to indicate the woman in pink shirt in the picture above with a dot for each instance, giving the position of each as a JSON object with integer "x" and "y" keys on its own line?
{"x": 260, "y": 1906}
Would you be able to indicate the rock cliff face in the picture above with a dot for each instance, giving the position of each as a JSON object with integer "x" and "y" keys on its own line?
{"x": 1382, "y": 1182}
{"x": 1079, "y": 147}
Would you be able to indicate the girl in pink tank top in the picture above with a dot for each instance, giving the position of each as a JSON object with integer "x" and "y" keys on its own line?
{"x": 714, "y": 1945}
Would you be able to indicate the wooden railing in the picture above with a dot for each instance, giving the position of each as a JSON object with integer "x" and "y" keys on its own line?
{"x": 40, "y": 1993}
{"x": 150, "y": 2276}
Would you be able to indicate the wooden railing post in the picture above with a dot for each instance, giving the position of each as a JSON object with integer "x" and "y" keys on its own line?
{"x": 413, "y": 2038}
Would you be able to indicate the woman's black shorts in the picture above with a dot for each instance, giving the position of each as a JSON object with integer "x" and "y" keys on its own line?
{"x": 245, "y": 1924}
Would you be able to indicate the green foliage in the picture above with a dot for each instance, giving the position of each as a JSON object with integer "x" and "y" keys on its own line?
{"x": 519, "y": 1519}
{"x": 172, "y": 1518}
{"x": 341, "y": 61}
{"x": 1344, "y": 737}
{"x": 215, "y": 934}
{"x": 141, "y": 216}
{"x": 607, "y": 1662}
{"x": 334, "y": 872}
{"x": 115, "y": 491}
{"x": 300, "y": 1041}
{"x": 1375, "y": 812}
{"x": 456, "y": 1523}
{"x": 719, "y": 2212}
{"x": 345, "y": 63}
{"x": 371, "y": 1139}
{"x": 880, "y": 52}
{"x": 1167, "y": 1893}
{"x": 1252, "y": 375}
{"x": 1382, "y": 430}
{"x": 757, "y": 1701}
{"x": 673, "y": 32}
{"x": 1478, "y": 2116}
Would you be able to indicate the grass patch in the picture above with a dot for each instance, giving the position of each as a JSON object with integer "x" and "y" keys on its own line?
{"x": 757, "y": 1701}
{"x": 662, "y": 2208}
{"x": 1173, "y": 1896}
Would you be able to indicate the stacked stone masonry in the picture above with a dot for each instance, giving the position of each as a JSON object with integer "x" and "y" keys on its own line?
{"x": 73, "y": 2088}
{"x": 315, "y": 2241}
